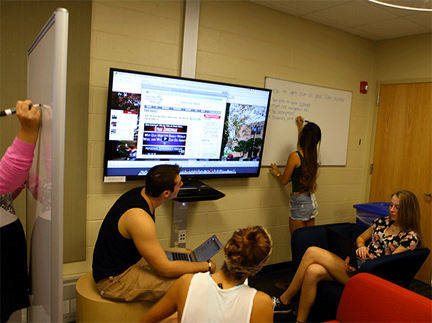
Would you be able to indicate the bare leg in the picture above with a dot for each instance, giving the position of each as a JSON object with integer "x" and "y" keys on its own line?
{"x": 314, "y": 274}
{"x": 296, "y": 224}
{"x": 310, "y": 223}
{"x": 329, "y": 262}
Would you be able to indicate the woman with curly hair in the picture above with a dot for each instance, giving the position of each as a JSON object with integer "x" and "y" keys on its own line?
{"x": 223, "y": 296}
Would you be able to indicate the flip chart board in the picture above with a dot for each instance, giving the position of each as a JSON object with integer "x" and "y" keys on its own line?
{"x": 46, "y": 84}
{"x": 329, "y": 108}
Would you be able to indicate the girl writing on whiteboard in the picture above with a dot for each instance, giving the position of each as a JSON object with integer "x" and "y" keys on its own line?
{"x": 14, "y": 168}
{"x": 302, "y": 169}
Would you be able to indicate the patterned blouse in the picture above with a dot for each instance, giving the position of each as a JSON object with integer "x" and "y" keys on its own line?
{"x": 385, "y": 245}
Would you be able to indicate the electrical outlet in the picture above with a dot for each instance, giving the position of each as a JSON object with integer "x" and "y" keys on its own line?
{"x": 66, "y": 306}
{"x": 182, "y": 236}
{"x": 69, "y": 318}
{"x": 69, "y": 299}
{"x": 24, "y": 314}
{"x": 69, "y": 312}
{"x": 73, "y": 305}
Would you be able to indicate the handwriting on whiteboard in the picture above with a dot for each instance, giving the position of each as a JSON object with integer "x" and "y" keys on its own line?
{"x": 286, "y": 105}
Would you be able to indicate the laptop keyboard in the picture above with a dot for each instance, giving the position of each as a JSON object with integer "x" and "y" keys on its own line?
{"x": 180, "y": 256}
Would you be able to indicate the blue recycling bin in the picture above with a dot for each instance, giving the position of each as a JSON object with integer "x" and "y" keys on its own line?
{"x": 368, "y": 212}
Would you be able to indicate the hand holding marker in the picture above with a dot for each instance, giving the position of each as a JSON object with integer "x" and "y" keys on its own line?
{"x": 11, "y": 111}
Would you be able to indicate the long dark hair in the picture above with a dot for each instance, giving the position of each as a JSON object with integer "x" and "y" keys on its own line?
{"x": 409, "y": 213}
{"x": 309, "y": 139}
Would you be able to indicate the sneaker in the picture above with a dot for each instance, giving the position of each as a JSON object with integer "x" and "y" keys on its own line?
{"x": 279, "y": 307}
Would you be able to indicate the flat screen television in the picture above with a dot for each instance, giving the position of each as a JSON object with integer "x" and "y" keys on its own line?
{"x": 210, "y": 129}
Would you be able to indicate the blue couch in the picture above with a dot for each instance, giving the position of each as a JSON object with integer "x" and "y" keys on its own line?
{"x": 399, "y": 268}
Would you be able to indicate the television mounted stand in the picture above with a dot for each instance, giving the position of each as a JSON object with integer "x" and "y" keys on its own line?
{"x": 191, "y": 191}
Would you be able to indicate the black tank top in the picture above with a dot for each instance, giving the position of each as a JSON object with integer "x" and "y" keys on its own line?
{"x": 113, "y": 253}
{"x": 295, "y": 177}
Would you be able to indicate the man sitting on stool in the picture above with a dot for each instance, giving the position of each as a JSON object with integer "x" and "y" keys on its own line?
{"x": 129, "y": 264}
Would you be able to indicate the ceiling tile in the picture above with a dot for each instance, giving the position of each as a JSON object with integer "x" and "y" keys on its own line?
{"x": 279, "y": 6}
{"x": 393, "y": 28}
{"x": 422, "y": 18}
{"x": 359, "y": 17}
{"x": 310, "y": 6}
{"x": 355, "y": 13}
{"x": 396, "y": 11}
{"x": 324, "y": 21}
{"x": 361, "y": 33}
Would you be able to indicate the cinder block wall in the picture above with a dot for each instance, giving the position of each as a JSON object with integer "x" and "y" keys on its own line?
{"x": 239, "y": 42}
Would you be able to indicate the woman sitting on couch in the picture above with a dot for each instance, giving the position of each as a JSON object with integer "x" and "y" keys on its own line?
{"x": 398, "y": 232}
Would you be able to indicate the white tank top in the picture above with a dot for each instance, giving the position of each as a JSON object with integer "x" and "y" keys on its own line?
{"x": 207, "y": 302}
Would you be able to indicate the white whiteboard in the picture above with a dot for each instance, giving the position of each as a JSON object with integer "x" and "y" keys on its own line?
{"x": 46, "y": 84}
{"x": 329, "y": 108}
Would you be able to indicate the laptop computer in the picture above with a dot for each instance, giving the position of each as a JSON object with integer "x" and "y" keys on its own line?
{"x": 344, "y": 247}
{"x": 203, "y": 253}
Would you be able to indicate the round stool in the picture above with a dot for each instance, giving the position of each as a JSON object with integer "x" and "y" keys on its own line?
{"x": 91, "y": 307}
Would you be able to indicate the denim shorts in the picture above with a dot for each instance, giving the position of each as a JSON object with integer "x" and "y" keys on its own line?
{"x": 303, "y": 207}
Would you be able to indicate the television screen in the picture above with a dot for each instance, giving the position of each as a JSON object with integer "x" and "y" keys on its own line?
{"x": 209, "y": 129}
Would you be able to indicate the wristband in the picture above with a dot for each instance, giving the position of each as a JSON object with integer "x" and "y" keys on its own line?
{"x": 361, "y": 244}
{"x": 209, "y": 266}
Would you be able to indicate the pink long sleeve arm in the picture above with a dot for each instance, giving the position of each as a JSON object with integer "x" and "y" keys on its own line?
{"x": 15, "y": 165}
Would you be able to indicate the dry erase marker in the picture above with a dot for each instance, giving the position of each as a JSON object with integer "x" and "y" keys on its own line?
{"x": 11, "y": 111}
{"x": 7, "y": 112}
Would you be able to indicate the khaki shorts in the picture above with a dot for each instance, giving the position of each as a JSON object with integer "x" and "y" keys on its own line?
{"x": 139, "y": 283}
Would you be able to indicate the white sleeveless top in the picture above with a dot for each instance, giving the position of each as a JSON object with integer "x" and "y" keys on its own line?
{"x": 207, "y": 302}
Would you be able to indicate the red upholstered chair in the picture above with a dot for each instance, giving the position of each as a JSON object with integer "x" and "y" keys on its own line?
{"x": 368, "y": 298}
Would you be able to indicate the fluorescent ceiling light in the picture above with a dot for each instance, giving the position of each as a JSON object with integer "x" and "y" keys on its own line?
{"x": 419, "y": 5}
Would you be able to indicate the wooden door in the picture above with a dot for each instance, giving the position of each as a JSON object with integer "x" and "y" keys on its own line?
{"x": 402, "y": 157}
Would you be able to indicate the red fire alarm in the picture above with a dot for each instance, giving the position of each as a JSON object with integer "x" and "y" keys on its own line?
{"x": 363, "y": 87}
